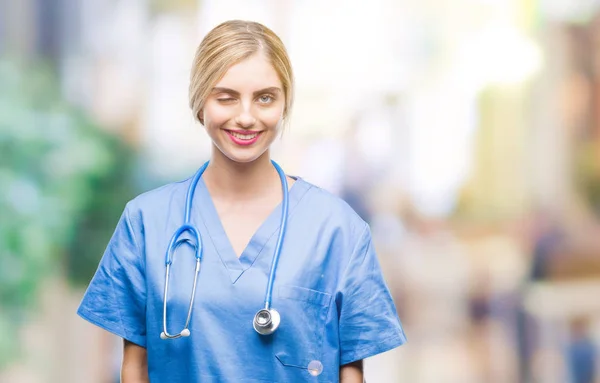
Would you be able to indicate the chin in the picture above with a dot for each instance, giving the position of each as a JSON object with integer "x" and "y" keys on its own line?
{"x": 244, "y": 156}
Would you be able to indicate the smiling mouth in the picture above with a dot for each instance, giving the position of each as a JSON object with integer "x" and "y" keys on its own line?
{"x": 244, "y": 136}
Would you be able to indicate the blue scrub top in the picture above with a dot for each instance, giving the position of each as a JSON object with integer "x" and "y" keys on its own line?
{"x": 335, "y": 306}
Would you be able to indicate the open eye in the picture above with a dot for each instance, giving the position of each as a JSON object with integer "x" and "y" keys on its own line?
{"x": 265, "y": 99}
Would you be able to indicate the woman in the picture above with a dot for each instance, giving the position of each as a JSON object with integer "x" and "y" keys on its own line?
{"x": 322, "y": 307}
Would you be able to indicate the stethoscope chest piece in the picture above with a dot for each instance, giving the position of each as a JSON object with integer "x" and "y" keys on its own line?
{"x": 266, "y": 321}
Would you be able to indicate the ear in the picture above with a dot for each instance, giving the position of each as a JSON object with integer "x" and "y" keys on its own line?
{"x": 282, "y": 127}
{"x": 201, "y": 116}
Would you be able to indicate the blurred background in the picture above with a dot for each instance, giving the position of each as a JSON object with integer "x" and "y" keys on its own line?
{"x": 466, "y": 132}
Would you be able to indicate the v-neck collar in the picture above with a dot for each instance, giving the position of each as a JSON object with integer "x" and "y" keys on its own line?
{"x": 270, "y": 227}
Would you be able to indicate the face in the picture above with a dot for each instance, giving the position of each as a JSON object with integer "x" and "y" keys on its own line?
{"x": 244, "y": 111}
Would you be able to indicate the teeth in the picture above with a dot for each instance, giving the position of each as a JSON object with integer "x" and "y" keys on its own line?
{"x": 243, "y": 136}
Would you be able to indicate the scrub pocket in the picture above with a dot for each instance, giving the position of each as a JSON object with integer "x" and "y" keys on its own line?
{"x": 299, "y": 339}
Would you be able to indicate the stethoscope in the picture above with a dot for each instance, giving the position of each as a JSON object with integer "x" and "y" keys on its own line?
{"x": 267, "y": 319}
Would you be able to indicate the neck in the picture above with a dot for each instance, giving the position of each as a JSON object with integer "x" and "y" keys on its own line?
{"x": 227, "y": 179}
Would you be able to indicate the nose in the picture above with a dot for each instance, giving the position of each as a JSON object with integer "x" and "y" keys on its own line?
{"x": 245, "y": 119}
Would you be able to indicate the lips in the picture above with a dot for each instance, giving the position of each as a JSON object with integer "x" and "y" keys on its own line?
{"x": 243, "y": 138}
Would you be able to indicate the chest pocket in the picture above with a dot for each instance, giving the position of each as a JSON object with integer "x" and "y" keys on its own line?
{"x": 299, "y": 339}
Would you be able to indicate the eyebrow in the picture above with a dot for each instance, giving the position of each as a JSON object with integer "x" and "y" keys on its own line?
{"x": 272, "y": 89}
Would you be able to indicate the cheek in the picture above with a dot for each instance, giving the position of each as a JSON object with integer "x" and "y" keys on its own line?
{"x": 215, "y": 116}
{"x": 272, "y": 118}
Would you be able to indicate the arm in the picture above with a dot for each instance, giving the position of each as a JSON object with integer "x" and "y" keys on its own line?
{"x": 361, "y": 292}
{"x": 352, "y": 372}
{"x": 135, "y": 364}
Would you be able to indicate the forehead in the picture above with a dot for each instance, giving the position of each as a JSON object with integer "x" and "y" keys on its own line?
{"x": 255, "y": 72}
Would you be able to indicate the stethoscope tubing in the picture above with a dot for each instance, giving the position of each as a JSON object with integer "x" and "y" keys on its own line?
{"x": 282, "y": 228}
{"x": 175, "y": 242}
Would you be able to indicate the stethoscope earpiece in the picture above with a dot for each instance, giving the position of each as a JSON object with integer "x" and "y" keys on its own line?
{"x": 184, "y": 333}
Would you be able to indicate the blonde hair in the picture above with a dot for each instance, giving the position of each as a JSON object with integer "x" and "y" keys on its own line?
{"x": 229, "y": 43}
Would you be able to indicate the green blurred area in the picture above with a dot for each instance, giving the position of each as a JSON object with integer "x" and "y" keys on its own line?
{"x": 587, "y": 174}
{"x": 63, "y": 183}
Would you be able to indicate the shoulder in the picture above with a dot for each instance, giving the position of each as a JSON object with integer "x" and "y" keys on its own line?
{"x": 158, "y": 198}
{"x": 329, "y": 208}
{"x": 331, "y": 203}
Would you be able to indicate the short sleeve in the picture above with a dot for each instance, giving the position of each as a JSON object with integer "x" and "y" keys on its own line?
{"x": 115, "y": 299}
{"x": 368, "y": 321}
